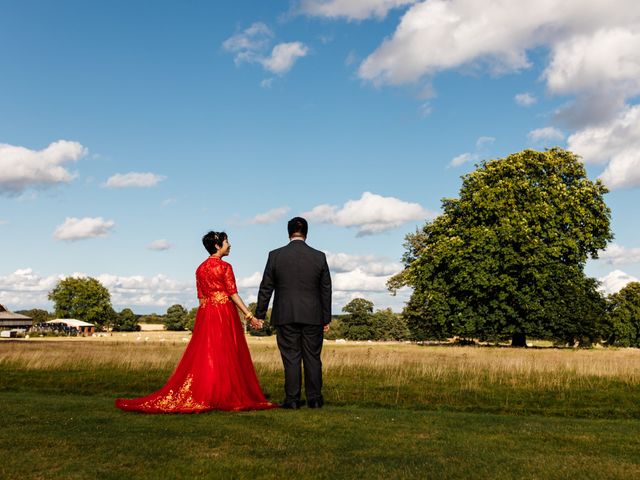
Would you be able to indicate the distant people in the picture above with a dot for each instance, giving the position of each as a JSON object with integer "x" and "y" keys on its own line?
{"x": 215, "y": 371}
{"x": 299, "y": 276}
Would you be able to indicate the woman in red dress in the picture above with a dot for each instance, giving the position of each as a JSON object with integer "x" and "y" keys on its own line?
{"x": 215, "y": 371}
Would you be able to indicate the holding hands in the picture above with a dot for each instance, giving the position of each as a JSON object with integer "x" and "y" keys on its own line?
{"x": 255, "y": 323}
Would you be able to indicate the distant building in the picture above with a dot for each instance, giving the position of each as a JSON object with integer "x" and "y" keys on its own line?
{"x": 83, "y": 327}
{"x": 10, "y": 320}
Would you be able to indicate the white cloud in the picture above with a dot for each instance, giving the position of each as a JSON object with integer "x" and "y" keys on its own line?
{"x": 463, "y": 158}
{"x": 252, "y": 281}
{"x": 607, "y": 58}
{"x": 133, "y": 179}
{"x": 26, "y": 289}
{"x": 594, "y": 59}
{"x": 525, "y": 99}
{"x": 481, "y": 149}
{"x": 168, "y": 201}
{"x": 251, "y": 46}
{"x": 267, "y": 83}
{"x": 617, "y": 142}
{"x": 368, "y": 264}
{"x": 4, "y": 222}
{"x": 437, "y": 35}
{"x": 359, "y": 280}
{"x": 351, "y": 9}
{"x": 545, "y": 134}
{"x": 156, "y": 291}
{"x": 159, "y": 245}
{"x": 79, "y": 228}
{"x": 615, "y": 281}
{"x": 483, "y": 142}
{"x": 618, "y": 255}
{"x": 22, "y": 168}
{"x": 284, "y": 56}
{"x": 371, "y": 213}
{"x": 271, "y": 216}
{"x": 245, "y": 44}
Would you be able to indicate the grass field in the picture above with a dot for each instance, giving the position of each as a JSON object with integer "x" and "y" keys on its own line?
{"x": 393, "y": 411}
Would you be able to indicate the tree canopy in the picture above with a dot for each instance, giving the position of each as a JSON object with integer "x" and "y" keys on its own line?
{"x": 83, "y": 299}
{"x": 506, "y": 258}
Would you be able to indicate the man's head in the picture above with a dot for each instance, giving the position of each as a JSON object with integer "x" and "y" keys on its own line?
{"x": 298, "y": 227}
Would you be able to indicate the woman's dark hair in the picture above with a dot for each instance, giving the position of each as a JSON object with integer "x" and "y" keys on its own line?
{"x": 298, "y": 225}
{"x": 213, "y": 240}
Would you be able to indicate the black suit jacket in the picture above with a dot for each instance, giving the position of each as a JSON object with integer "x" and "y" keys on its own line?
{"x": 300, "y": 277}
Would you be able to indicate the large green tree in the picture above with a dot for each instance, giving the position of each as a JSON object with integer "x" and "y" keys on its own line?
{"x": 624, "y": 317}
{"x": 506, "y": 258}
{"x": 83, "y": 299}
{"x": 358, "y": 324}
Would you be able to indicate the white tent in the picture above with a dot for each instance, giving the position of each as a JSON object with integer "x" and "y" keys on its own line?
{"x": 71, "y": 322}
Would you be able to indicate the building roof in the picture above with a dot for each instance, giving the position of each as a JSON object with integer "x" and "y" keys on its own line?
{"x": 8, "y": 315}
{"x": 71, "y": 322}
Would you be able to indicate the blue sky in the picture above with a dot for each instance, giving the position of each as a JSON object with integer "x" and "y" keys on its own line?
{"x": 129, "y": 129}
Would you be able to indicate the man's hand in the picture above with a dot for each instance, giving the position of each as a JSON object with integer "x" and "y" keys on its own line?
{"x": 326, "y": 328}
{"x": 256, "y": 323}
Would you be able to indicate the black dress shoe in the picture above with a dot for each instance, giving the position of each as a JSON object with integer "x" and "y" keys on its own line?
{"x": 317, "y": 403}
{"x": 292, "y": 405}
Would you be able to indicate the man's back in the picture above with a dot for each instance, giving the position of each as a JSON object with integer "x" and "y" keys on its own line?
{"x": 299, "y": 276}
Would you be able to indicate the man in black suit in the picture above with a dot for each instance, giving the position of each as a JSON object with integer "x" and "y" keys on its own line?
{"x": 299, "y": 276}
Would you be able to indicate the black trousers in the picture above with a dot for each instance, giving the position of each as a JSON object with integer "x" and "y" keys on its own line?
{"x": 299, "y": 344}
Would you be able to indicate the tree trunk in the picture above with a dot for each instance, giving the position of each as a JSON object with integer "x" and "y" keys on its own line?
{"x": 519, "y": 340}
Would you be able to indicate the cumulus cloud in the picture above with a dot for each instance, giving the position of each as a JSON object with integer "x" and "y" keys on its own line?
{"x": 618, "y": 255}
{"x": 463, "y": 158}
{"x": 133, "y": 179}
{"x": 22, "y": 168}
{"x": 369, "y": 264}
{"x": 159, "y": 245}
{"x": 284, "y": 56}
{"x": 75, "y": 228}
{"x": 155, "y": 291}
{"x": 351, "y": 9}
{"x": 441, "y": 34}
{"x": 359, "y": 280}
{"x": 271, "y": 216}
{"x": 251, "y": 46}
{"x": 246, "y": 43}
{"x": 615, "y": 281}
{"x": 370, "y": 214}
{"x": 525, "y": 99}
{"x": 252, "y": 281}
{"x": 482, "y": 145}
{"x": 594, "y": 59}
{"x": 545, "y": 134}
{"x": 617, "y": 143}
{"x": 25, "y": 288}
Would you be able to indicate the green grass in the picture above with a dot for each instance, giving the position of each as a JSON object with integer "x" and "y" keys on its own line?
{"x": 393, "y": 411}
{"x": 76, "y": 436}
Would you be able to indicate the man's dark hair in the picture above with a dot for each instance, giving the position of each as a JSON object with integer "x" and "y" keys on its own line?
{"x": 298, "y": 227}
{"x": 213, "y": 240}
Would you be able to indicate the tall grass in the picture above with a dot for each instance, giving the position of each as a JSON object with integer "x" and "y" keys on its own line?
{"x": 599, "y": 382}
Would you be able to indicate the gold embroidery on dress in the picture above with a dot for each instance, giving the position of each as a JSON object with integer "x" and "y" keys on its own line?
{"x": 216, "y": 298}
{"x": 180, "y": 400}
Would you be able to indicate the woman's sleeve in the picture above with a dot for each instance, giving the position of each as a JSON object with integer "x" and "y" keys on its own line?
{"x": 230, "y": 281}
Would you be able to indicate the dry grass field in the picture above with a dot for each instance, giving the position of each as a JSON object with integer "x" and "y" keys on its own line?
{"x": 394, "y": 410}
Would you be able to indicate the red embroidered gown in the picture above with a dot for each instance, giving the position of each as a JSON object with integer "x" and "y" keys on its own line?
{"x": 215, "y": 371}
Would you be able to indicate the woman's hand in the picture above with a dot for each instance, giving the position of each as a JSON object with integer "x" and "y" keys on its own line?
{"x": 256, "y": 323}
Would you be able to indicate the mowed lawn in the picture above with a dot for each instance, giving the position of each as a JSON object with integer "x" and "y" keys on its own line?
{"x": 394, "y": 411}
